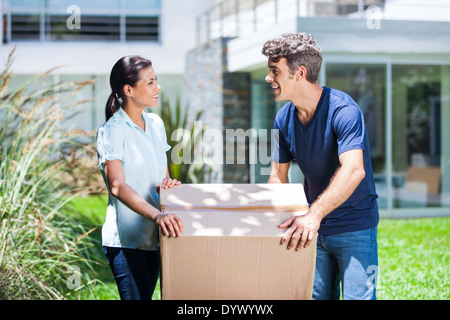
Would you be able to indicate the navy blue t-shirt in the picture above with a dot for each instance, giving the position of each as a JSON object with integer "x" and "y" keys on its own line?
{"x": 336, "y": 126}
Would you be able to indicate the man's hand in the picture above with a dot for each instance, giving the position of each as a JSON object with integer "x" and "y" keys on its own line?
{"x": 301, "y": 230}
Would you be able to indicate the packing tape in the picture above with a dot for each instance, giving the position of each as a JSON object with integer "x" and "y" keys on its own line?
{"x": 274, "y": 208}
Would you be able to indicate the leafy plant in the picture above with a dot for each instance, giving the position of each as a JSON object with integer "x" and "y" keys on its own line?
{"x": 176, "y": 125}
{"x": 43, "y": 253}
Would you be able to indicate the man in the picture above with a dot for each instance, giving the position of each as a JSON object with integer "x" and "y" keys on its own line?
{"x": 323, "y": 130}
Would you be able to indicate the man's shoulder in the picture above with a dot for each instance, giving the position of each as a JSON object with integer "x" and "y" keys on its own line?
{"x": 284, "y": 111}
{"x": 340, "y": 98}
{"x": 342, "y": 105}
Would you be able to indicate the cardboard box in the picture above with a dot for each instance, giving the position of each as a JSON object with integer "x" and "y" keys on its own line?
{"x": 230, "y": 247}
{"x": 430, "y": 177}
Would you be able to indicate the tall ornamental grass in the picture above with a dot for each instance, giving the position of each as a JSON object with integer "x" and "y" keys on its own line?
{"x": 43, "y": 253}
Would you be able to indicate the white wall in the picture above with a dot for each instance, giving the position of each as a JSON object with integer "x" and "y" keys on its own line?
{"x": 420, "y": 10}
{"x": 94, "y": 60}
{"x": 168, "y": 56}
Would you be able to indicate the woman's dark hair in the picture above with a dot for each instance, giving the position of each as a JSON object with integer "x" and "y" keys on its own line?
{"x": 125, "y": 72}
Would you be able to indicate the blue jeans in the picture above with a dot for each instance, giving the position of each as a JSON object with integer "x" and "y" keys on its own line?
{"x": 351, "y": 259}
{"x": 135, "y": 271}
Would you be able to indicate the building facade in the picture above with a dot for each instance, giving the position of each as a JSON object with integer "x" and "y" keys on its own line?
{"x": 85, "y": 38}
{"x": 392, "y": 57}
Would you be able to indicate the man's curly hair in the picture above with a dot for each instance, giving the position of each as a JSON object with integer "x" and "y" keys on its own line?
{"x": 299, "y": 49}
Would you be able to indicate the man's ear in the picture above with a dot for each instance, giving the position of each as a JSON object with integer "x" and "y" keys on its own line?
{"x": 300, "y": 73}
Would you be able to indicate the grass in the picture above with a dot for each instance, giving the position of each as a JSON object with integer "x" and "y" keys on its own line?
{"x": 93, "y": 210}
{"x": 414, "y": 259}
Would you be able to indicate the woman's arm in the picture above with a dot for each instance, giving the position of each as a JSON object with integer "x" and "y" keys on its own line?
{"x": 115, "y": 176}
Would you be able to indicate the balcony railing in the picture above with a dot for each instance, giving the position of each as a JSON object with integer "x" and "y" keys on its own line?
{"x": 234, "y": 18}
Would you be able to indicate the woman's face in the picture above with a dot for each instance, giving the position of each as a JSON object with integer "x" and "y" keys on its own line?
{"x": 145, "y": 92}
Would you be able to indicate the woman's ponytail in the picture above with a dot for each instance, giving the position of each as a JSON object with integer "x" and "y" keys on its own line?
{"x": 124, "y": 72}
{"x": 112, "y": 105}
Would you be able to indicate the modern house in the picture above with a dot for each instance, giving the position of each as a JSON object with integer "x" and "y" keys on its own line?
{"x": 392, "y": 57}
{"x": 85, "y": 39}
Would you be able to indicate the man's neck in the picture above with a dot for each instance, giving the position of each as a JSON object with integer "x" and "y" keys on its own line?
{"x": 307, "y": 100}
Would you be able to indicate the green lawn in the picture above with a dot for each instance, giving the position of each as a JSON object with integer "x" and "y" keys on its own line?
{"x": 93, "y": 209}
{"x": 414, "y": 260}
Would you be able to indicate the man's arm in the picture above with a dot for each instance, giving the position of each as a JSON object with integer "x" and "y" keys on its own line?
{"x": 302, "y": 230}
{"x": 279, "y": 172}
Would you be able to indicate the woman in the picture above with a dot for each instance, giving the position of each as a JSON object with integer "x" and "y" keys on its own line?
{"x": 131, "y": 148}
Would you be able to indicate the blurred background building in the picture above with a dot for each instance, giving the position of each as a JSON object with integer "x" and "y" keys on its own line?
{"x": 85, "y": 38}
{"x": 391, "y": 56}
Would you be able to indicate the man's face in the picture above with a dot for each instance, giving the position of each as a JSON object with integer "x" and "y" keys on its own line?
{"x": 280, "y": 79}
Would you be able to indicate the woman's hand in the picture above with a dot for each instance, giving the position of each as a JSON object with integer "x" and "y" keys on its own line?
{"x": 167, "y": 183}
{"x": 170, "y": 224}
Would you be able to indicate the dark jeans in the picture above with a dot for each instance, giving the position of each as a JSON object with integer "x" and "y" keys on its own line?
{"x": 135, "y": 271}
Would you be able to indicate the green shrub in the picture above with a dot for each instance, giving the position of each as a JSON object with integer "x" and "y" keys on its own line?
{"x": 44, "y": 254}
{"x": 175, "y": 120}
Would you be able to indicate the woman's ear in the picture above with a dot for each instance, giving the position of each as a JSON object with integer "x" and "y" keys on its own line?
{"x": 127, "y": 90}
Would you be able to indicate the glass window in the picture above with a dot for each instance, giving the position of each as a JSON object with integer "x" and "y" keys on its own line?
{"x": 100, "y": 28}
{"x": 366, "y": 84}
{"x": 420, "y": 129}
{"x": 263, "y": 114}
{"x": 142, "y": 28}
{"x": 25, "y": 26}
{"x": 103, "y": 20}
{"x": 420, "y": 104}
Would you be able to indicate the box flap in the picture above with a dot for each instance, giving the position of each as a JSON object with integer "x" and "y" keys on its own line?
{"x": 234, "y": 209}
{"x": 217, "y": 195}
